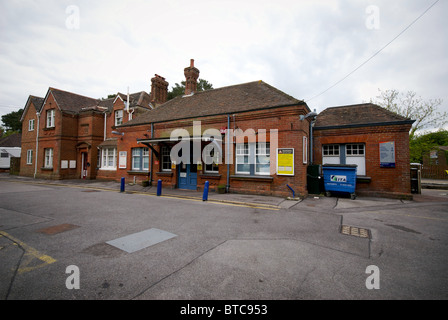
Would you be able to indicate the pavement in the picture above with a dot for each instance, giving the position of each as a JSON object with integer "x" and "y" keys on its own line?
{"x": 252, "y": 200}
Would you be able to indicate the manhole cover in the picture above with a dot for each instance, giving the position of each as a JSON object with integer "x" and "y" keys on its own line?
{"x": 355, "y": 231}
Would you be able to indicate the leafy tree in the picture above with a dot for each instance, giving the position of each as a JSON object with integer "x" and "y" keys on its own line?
{"x": 422, "y": 144}
{"x": 409, "y": 105}
{"x": 179, "y": 89}
{"x": 11, "y": 121}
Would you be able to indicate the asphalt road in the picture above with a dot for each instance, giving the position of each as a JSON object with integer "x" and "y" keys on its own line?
{"x": 219, "y": 250}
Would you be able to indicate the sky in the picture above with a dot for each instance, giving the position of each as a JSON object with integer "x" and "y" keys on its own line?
{"x": 97, "y": 48}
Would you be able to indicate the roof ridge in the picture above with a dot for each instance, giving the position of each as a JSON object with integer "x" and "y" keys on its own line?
{"x": 76, "y": 94}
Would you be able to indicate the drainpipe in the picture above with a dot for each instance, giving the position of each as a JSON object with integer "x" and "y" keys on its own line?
{"x": 228, "y": 153}
{"x": 152, "y": 156}
{"x": 37, "y": 145}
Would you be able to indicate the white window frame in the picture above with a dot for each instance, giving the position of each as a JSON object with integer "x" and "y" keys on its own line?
{"x": 48, "y": 161}
{"x": 212, "y": 167}
{"x": 118, "y": 117}
{"x": 29, "y": 156}
{"x": 262, "y": 149}
{"x": 242, "y": 150}
{"x": 141, "y": 154}
{"x": 249, "y": 154}
{"x": 330, "y": 150}
{"x": 108, "y": 155}
{"x": 31, "y": 125}
{"x": 165, "y": 158}
{"x": 50, "y": 118}
{"x": 355, "y": 153}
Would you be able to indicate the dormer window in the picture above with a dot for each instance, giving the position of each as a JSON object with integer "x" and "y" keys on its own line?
{"x": 118, "y": 117}
{"x": 50, "y": 118}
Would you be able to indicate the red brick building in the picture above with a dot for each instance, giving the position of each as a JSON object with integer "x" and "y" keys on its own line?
{"x": 247, "y": 138}
{"x": 374, "y": 139}
{"x": 63, "y": 131}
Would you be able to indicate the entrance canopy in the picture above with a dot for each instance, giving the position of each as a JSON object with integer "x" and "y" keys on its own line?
{"x": 151, "y": 142}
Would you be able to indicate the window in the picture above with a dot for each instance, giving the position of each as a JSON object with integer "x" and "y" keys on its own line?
{"x": 50, "y": 118}
{"x": 331, "y": 150}
{"x": 48, "y": 163}
{"x": 29, "y": 157}
{"x": 4, "y": 155}
{"x": 118, "y": 117}
{"x": 354, "y": 149}
{"x": 166, "y": 159}
{"x": 31, "y": 125}
{"x": 353, "y": 153}
{"x": 140, "y": 159}
{"x": 253, "y": 158}
{"x": 209, "y": 150}
{"x": 263, "y": 156}
{"x": 242, "y": 158}
{"x": 109, "y": 158}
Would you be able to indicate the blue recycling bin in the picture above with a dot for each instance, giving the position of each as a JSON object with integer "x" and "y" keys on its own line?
{"x": 340, "y": 178}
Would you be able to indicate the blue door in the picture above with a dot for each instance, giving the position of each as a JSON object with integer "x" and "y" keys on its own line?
{"x": 188, "y": 176}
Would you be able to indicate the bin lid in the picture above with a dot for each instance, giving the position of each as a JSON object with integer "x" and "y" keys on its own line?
{"x": 340, "y": 165}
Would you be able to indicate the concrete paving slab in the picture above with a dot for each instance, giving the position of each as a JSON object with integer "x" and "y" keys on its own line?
{"x": 141, "y": 240}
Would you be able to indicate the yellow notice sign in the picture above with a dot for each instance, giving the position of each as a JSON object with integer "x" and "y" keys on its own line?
{"x": 285, "y": 161}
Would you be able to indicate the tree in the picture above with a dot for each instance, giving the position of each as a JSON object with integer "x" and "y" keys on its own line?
{"x": 11, "y": 121}
{"x": 179, "y": 89}
{"x": 422, "y": 144}
{"x": 409, "y": 105}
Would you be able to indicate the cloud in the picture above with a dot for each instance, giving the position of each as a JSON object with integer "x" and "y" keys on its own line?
{"x": 300, "y": 47}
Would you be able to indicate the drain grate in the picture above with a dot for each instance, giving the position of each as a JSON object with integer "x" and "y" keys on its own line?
{"x": 355, "y": 231}
{"x": 90, "y": 191}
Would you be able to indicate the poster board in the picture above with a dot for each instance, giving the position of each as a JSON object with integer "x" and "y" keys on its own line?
{"x": 387, "y": 154}
{"x": 285, "y": 161}
{"x": 122, "y": 159}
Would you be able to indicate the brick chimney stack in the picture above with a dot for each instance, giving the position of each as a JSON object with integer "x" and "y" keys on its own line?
{"x": 159, "y": 90}
{"x": 191, "y": 77}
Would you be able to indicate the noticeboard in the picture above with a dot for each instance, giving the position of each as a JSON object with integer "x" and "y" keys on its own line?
{"x": 387, "y": 154}
{"x": 285, "y": 161}
{"x": 122, "y": 159}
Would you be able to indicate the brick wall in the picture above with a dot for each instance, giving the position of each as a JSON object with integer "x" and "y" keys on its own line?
{"x": 393, "y": 182}
{"x": 28, "y": 142}
{"x": 290, "y": 132}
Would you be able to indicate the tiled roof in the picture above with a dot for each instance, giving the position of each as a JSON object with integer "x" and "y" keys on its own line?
{"x": 76, "y": 103}
{"x": 72, "y": 102}
{"x": 138, "y": 99}
{"x": 14, "y": 140}
{"x": 37, "y": 102}
{"x": 232, "y": 99}
{"x": 359, "y": 114}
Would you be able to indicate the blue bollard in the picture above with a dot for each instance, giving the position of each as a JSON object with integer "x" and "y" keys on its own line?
{"x": 205, "y": 195}
{"x": 122, "y": 185}
{"x": 159, "y": 188}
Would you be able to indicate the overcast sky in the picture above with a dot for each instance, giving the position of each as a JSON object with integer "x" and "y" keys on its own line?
{"x": 96, "y": 48}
